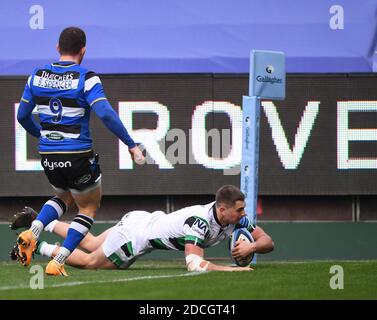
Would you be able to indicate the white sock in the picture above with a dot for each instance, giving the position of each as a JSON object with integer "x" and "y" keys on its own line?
{"x": 36, "y": 228}
{"x": 46, "y": 249}
{"x": 50, "y": 227}
{"x": 62, "y": 255}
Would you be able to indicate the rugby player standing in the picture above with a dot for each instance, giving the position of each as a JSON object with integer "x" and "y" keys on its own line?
{"x": 64, "y": 94}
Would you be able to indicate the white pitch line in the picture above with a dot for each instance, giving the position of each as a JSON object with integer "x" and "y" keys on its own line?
{"x": 79, "y": 283}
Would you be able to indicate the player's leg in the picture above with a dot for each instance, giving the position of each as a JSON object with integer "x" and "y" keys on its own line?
{"x": 53, "y": 209}
{"x": 94, "y": 260}
{"x": 25, "y": 218}
{"x": 93, "y": 243}
{"x": 127, "y": 241}
{"x": 97, "y": 260}
{"x": 88, "y": 204}
{"x": 120, "y": 246}
{"x": 84, "y": 181}
{"x": 78, "y": 258}
{"x": 89, "y": 243}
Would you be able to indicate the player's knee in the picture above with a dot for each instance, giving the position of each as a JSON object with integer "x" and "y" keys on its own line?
{"x": 68, "y": 200}
{"x": 96, "y": 243}
{"x": 91, "y": 262}
{"x": 89, "y": 208}
{"x": 89, "y": 211}
{"x": 90, "y": 243}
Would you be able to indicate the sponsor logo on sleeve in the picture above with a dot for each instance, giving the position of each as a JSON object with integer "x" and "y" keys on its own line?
{"x": 200, "y": 227}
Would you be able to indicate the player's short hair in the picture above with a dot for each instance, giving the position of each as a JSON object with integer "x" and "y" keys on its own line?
{"x": 229, "y": 195}
{"x": 71, "y": 40}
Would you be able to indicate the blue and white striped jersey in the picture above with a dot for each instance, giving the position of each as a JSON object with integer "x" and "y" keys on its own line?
{"x": 63, "y": 93}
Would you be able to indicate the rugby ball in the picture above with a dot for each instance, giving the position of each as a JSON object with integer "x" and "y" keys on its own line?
{"x": 241, "y": 234}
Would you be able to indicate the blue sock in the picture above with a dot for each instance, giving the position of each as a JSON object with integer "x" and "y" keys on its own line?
{"x": 53, "y": 209}
{"x": 78, "y": 229}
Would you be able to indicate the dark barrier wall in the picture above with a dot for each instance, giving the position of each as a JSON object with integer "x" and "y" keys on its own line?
{"x": 322, "y": 140}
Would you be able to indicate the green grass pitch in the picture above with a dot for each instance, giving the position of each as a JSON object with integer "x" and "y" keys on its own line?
{"x": 148, "y": 279}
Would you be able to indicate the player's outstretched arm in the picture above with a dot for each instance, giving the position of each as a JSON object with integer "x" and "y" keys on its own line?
{"x": 195, "y": 262}
{"x": 26, "y": 119}
{"x": 25, "y": 110}
{"x": 263, "y": 242}
{"x": 110, "y": 118}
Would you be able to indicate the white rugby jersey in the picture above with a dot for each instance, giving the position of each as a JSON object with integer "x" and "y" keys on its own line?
{"x": 196, "y": 224}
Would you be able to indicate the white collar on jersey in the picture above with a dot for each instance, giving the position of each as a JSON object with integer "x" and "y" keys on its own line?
{"x": 64, "y": 64}
{"x": 214, "y": 215}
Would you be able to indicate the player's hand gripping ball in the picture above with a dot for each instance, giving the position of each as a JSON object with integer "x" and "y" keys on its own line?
{"x": 241, "y": 234}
